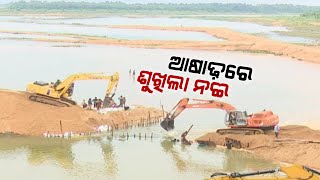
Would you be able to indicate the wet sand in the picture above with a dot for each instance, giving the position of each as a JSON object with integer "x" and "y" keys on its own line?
{"x": 296, "y": 144}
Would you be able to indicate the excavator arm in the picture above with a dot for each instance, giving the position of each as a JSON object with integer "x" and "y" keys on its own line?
{"x": 113, "y": 84}
{"x": 63, "y": 86}
{"x": 168, "y": 122}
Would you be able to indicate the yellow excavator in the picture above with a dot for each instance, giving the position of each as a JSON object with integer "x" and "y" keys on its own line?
{"x": 59, "y": 93}
{"x": 294, "y": 172}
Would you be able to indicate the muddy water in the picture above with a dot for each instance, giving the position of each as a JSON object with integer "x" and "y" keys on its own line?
{"x": 107, "y": 158}
{"x": 239, "y": 26}
{"x": 286, "y": 86}
{"x": 131, "y": 34}
{"x": 292, "y": 39}
{"x": 31, "y": 36}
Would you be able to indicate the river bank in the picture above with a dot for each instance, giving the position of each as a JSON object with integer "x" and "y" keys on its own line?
{"x": 233, "y": 41}
{"x": 296, "y": 145}
{"x": 237, "y": 41}
{"x": 20, "y": 116}
{"x": 304, "y": 25}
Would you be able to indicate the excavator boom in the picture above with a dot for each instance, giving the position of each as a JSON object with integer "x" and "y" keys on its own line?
{"x": 168, "y": 122}
{"x": 66, "y": 84}
{"x": 238, "y": 122}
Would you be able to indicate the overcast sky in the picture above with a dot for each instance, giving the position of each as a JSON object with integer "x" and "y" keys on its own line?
{"x": 296, "y": 2}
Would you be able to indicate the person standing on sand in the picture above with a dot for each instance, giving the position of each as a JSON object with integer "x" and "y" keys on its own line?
{"x": 121, "y": 101}
{"x": 124, "y": 101}
{"x": 84, "y": 104}
{"x": 90, "y": 103}
{"x": 95, "y": 100}
{"x": 98, "y": 105}
{"x": 276, "y": 130}
{"x": 134, "y": 74}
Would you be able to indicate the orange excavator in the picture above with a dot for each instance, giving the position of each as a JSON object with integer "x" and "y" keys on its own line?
{"x": 237, "y": 121}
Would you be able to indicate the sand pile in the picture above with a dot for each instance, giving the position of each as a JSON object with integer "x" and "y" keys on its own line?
{"x": 22, "y": 116}
{"x": 296, "y": 144}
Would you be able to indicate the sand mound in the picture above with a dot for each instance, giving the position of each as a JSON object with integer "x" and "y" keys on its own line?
{"x": 296, "y": 144}
{"x": 300, "y": 132}
{"x": 233, "y": 41}
{"x": 21, "y": 116}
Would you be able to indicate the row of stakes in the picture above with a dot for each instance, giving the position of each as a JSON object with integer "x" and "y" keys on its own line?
{"x": 149, "y": 121}
{"x": 140, "y": 136}
{"x": 140, "y": 123}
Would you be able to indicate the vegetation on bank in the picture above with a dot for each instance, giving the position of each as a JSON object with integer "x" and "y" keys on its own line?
{"x": 303, "y": 21}
{"x": 315, "y": 15}
{"x": 304, "y": 25}
{"x": 161, "y": 7}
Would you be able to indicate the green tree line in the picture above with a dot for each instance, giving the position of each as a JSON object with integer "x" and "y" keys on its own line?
{"x": 315, "y": 15}
{"x": 199, "y": 7}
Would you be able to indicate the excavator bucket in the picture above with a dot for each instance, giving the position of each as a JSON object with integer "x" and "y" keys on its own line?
{"x": 108, "y": 102}
{"x": 167, "y": 124}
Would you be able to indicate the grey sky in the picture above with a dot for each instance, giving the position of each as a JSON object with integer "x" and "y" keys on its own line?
{"x": 296, "y": 2}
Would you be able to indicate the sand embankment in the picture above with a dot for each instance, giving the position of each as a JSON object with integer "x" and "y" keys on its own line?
{"x": 22, "y": 116}
{"x": 246, "y": 42}
{"x": 234, "y": 41}
{"x": 296, "y": 144}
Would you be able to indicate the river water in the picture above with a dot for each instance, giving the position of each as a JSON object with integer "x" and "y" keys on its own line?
{"x": 288, "y": 87}
{"x": 86, "y": 26}
{"x": 103, "y": 158}
{"x": 282, "y": 84}
{"x": 131, "y": 34}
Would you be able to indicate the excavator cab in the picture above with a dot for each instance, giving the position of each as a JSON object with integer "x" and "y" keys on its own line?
{"x": 236, "y": 118}
{"x": 70, "y": 90}
{"x": 56, "y": 83}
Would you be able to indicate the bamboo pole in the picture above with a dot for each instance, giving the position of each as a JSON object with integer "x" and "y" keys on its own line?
{"x": 61, "y": 127}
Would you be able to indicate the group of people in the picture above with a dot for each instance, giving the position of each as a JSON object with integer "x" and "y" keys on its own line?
{"x": 133, "y": 73}
{"x": 97, "y": 103}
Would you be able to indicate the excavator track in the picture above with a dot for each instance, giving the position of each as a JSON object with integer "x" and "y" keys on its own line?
{"x": 246, "y": 131}
{"x": 69, "y": 101}
{"x": 47, "y": 100}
